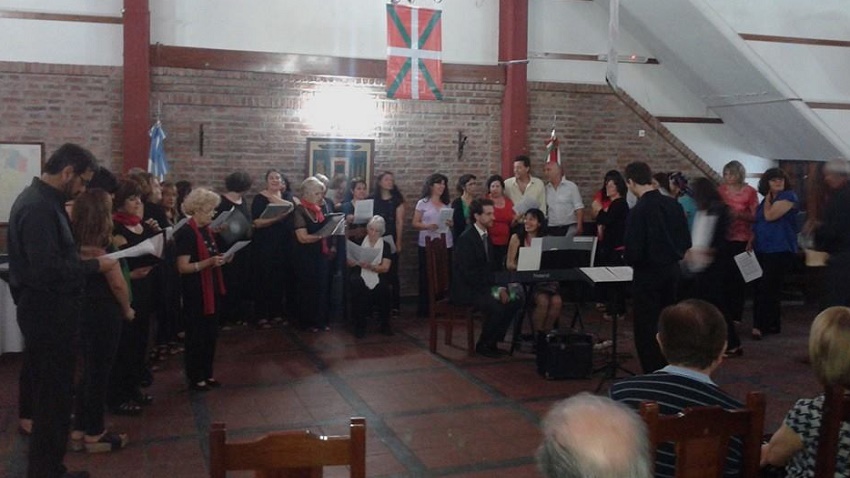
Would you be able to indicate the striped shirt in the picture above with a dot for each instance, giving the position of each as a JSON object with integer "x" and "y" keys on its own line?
{"x": 675, "y": 389}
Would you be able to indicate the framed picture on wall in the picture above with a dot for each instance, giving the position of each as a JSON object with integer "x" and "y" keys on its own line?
{"x": 19, "y": 163}
{"x": 336, "y": 157}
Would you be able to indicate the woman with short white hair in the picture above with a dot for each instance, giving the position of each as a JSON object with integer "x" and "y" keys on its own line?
{"x": 369, "y": 286}
{"x": 311, "y": 257}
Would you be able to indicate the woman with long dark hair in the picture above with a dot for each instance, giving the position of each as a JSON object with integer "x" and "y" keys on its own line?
{"x": 426, "y": 218}
{"x": 389, "y": 204}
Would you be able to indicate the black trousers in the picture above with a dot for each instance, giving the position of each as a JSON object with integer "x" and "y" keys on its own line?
{"x": 393, "y": 283}
{"x": 735, "y": 289}
{"x": 837, "y": 281}
{"x": 201, "y": 337}
{"x": 497, "y": 318}
{"x": 313, "y": 282}
{"x": 49, "y": 322}
{"x": 365, "y": 300}
{"x": 238, "y": 304}
{"x": 100, "y": 329}
{"x": 653, "y": 289}
{"x": 130, "y": 365}
{"x": 270, "y": 275}
{"x": 768, "y": 290}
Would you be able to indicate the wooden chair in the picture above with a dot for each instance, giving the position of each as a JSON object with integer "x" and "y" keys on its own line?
{"x": 296, "y": 454}
{"x": 440, "y": 310}
{"x": 701, "y": 436}
{"x": 836, "y": 409}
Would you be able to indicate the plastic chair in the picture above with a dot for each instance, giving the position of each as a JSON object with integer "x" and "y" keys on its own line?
{"x": 701, "y": 436}
{"x": 292, "y": 454}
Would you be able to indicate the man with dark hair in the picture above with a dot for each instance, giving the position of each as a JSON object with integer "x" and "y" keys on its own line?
{"x": 692, "y": 336}
{"x": 474, "y": 264}
{"x": 524, "y": 185}
{"x": 833, "y": 234}
{"x": 587, "y": 435}
{"x": 656, "y": 240}
{"x": 47, "y": 279}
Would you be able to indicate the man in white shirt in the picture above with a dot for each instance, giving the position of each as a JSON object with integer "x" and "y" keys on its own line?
{"x": 564, "y": 204}
{"x": 524, "y": 185}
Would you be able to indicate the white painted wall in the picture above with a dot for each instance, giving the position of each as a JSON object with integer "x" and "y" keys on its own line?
{"x": 344, "y": 28}
{"x": 70, "y": 43}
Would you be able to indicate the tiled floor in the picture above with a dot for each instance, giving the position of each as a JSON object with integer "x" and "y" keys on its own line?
{"x": 427, "y": 415}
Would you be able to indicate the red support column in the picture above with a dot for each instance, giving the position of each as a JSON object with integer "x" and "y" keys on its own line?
{"x": 137, "y": 83}
{"x": 513, "y": 52}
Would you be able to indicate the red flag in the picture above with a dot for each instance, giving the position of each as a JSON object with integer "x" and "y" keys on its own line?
{"x": 553, "y": 153}
{"x": 414, "y": 53}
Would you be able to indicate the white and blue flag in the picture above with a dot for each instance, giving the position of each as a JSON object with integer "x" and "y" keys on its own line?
{"x": 157, "y": 164}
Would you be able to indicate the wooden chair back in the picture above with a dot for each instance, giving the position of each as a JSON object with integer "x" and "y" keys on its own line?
{"x": 440, "y": 310}
{"x": 293, "y": 454}
{"x": 701, "y": 436}
{"x": 836, "y": 410}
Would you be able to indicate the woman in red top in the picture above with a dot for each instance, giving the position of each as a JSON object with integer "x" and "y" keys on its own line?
{"x": 742, "y": 200}
{"x": 500, "y": 231}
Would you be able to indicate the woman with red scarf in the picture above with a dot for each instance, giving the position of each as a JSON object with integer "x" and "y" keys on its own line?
{"x": 130, "y": 371}
{"x": 199, "y": 264}
{"x": 311, "y": 253}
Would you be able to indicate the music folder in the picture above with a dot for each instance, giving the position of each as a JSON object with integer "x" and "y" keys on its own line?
{"x": 608, "y": 274}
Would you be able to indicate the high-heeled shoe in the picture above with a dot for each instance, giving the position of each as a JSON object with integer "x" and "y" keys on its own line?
{"x": 732, "y": 353}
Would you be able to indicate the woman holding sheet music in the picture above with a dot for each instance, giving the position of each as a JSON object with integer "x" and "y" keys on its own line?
{"x": 199, "y": 263}
{"x": 389, "y": 204}
{"x": 271, "y": 248}
{"x": 238, "y": 303}
{"x": 359, "y": 192}
{"x": 125, "y": 395}
{"x": 311, "y": 257}
{"x": 432, "y": 207}
{"x": 547, "y": 297}
{"x": 368, "y": 283}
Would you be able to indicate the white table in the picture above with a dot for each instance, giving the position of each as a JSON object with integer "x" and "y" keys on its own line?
{"x": 11, "y": 339}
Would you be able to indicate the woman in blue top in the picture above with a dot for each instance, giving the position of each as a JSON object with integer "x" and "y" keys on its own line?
{"x": 775, "y": 244}
{"x": 679, "y": 189}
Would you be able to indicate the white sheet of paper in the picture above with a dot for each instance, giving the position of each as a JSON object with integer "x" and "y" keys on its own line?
{"x": 169, "y": 231}
{"x": 221, "y": 219}
{"x": 236, "y": 247}
{"x": 357, "y": 253}
{"x": 152, "y": 246}
{"x": 391, "y": 242}
{"x": 445, "y": 216}
{"x": 529, "y": 258}
{"x": 363, "y": 211}
{"x": 703, "y": 231}
{"x": 748, "y": 265}
{"x": 523, "y": 205}
{"x": 608, "y": 274}
{"x": 537, "y": 242}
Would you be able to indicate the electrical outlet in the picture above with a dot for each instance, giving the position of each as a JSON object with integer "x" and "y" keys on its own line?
{"x": 641, "y": 133}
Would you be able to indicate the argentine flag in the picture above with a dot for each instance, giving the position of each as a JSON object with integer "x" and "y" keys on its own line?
{"x": 157, "y": 165}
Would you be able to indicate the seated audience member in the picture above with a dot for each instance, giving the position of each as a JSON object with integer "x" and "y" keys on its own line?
{"x": 587, "y": 435}
{"x": 692, "y": 336}
{"x": 369, "y": 286}
{"x": 795, "y": 444}
{"x": 474, "y": 263}
{"x": 199, "y": 263}
{"x": 547, "y": 297}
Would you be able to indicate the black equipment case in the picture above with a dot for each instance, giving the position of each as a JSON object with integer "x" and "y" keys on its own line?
{"x": 564, "y": 355}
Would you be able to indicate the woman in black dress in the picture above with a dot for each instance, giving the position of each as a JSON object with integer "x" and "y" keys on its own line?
{"x": 270, "y": 250}
{"x": 311, "y": 257}
{"x": 199, "y": 263}
{"x": 389, "y": 204}
{"x": 238, "y": 304}
{"x": 130, "y": 371}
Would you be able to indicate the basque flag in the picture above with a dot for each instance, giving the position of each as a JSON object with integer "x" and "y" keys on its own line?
{"x": 414, "y": 53}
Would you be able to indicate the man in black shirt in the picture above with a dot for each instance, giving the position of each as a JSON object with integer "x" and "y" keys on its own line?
{"x": 47, "y": 279}
{"x": 833, "y": 234}
{"x": 656, "y": 240}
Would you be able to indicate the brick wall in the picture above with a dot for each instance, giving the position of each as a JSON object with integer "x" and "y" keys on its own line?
{"x": 254, "y": 121}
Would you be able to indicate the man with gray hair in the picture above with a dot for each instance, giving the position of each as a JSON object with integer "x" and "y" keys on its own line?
{"x": 591, "y": 436}
{"x": 832, "y": 234}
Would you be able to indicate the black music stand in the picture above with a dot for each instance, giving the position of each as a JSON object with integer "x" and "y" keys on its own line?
{"x": 612, "y": 281}
{"x": 570, "y": 253}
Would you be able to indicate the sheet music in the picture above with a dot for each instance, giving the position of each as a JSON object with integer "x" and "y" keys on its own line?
{"x": 152, "y": 246}
{"x": 703, "y": 230}
{"x": 608, "y": 274}
{"x": 222, "y": 218}
{"x": 335, "y": 226}
{"x": 363, "y": 211}
{"x": 524, "y": 204}
{"x": 275, "y": 210}
{"x": 170, "y": 230}
{"x": 236, "y": 247}
{"x": 357, "y": 253}
{"x": 445, "y": 217}
{"x": 529, "y": 259}
{"x": 748, "y": 265}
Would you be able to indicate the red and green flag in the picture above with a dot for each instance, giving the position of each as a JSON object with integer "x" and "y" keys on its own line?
{"x": 414, "y": 53}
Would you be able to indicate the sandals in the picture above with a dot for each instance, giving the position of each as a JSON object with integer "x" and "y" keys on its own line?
{"x": 107, "y": 442}
{"x": 128, "y": 409}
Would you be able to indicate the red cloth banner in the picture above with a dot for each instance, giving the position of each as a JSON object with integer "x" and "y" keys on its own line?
{"x": 414, "y": 53}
